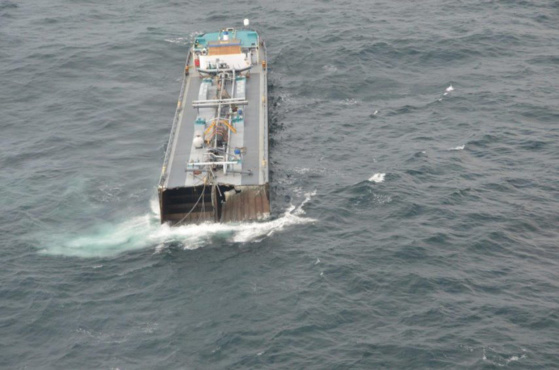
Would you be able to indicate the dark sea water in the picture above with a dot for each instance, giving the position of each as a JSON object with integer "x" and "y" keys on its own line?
{"x": 414, "y": 225}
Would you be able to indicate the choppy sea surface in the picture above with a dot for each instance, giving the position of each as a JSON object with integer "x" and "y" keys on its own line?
{"x": 415, "y": 171}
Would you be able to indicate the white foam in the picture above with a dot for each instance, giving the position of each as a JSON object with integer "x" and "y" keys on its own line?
{"x": 516, "y": 358}
{"x": 178, "y": 40}
{"x": 497, "y": 362}
{"x": 377, "y": 178}
{"x": 350, "y": 102}
{"x": 104, "y": 240}
{"x": 448, "y": 90}
{"x": 184, "y": 40}
{"x": 460, "y": 147}
{"x": 196, "y": 236}
{"x": 302, "y": 170}
{"x": 154, "y": 206}
{"x": 145, "y": 231}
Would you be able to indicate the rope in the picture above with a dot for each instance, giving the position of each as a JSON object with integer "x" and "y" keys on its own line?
{"x": 203, "y": 205}
{"x": 195, "y": 204}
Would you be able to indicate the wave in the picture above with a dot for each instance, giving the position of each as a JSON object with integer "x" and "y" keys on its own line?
{"x": 448, "y": 90}
{"x": 377, "y": 178}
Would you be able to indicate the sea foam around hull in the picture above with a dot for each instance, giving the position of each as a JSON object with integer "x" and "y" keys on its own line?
{"x": 146, "y": 232}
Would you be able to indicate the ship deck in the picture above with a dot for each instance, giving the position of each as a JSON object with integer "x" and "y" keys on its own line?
{"x": 253, "y": 135}
{"x": 250, "y": 136}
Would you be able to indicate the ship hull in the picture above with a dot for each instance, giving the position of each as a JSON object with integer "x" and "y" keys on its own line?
{"x": 237, "y": 190}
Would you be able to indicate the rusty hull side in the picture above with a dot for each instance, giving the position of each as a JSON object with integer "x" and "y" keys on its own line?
{"x": 220, "y": 203}
{"x": 246, "y": 203}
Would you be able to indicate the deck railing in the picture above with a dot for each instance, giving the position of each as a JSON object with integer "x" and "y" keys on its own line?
{"x": 175, "y": 122}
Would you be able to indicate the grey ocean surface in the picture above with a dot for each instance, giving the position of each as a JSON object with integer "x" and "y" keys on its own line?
{"x": 414, "y": 225}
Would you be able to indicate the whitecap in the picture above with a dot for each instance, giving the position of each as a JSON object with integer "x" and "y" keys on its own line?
{"x": 179, "y": 40}
{"x": 350, "y": 102}
{"x": 377, "y": 178}
{"x": 460, "y": 147}
{"x": 448, "y": 90}
{"x": 499, "y": 361}
{"x": 330, "y": 68}
{"x": 516, "y": 358}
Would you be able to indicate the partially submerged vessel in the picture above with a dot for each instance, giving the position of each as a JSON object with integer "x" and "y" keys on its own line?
{"x": 216, "y": 164}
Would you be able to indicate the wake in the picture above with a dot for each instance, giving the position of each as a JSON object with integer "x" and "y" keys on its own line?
{"x": 145, "y": 231}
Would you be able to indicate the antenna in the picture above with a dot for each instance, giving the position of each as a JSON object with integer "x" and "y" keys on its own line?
{"x": 246, "y": 22}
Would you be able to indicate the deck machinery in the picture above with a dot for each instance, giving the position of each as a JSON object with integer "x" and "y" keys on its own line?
{"x": 216, "y": 164}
